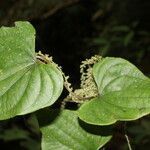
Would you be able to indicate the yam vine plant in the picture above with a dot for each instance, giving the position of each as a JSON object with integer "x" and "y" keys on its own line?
{"x": 112, "y": 89}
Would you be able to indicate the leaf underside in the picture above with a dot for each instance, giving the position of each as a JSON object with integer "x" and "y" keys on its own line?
{"x": 26, "y": 85}
{"x": 65, "y": 133}
{"x": 124, "y": 93}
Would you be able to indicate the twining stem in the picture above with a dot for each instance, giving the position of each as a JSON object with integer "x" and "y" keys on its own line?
{"x": 126, "y": 136}
{"x": 128, "y": 142}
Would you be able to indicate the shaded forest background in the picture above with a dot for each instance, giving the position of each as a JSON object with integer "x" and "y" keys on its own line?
{"x": 71, "y": 31}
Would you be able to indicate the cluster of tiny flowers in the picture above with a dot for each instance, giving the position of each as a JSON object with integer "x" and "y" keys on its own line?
{"x": 88, "y": 88}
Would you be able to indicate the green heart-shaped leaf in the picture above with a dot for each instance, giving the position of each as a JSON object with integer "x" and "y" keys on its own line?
{"x": 26, "y": 84}
{"x": 64, "y": 131}
{"x": 124, "y": 93}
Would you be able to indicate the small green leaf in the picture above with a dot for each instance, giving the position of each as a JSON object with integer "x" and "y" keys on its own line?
{"x": 128, "y": 38}
{"x": 64, "y": 131}
{"x": 121, "y": 28}
{"x": 26, "y": 85}
{"x": 124, "y": 93}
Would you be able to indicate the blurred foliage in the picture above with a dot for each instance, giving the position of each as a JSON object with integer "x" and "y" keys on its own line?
{"x": 139, "y": 132}
{"x": 12, "y": 10}
{"x": 123, "y": 30}
{"x": 20, "y": 133}
{"x": 72, "y": 30}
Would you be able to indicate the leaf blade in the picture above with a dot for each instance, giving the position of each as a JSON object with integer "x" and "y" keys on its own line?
{"x": 26, "y": 85}
{"x": 115, "y": 106}
{"x": 65, "y": 133}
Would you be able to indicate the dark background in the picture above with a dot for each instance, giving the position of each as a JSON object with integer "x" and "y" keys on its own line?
{"x": 71, "y": 31}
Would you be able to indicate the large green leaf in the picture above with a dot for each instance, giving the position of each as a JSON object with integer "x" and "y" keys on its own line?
{"x": 64, "y": 131}
{"x": 26, "y": 84}
{"x": 124, "y": 93}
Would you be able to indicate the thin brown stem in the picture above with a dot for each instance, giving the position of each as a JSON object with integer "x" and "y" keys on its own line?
{"x": 58, "y": 8}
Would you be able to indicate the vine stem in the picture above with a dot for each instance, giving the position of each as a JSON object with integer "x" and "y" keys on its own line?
{"x": 128, "y": 142}
{"x": 126, "y": 136}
